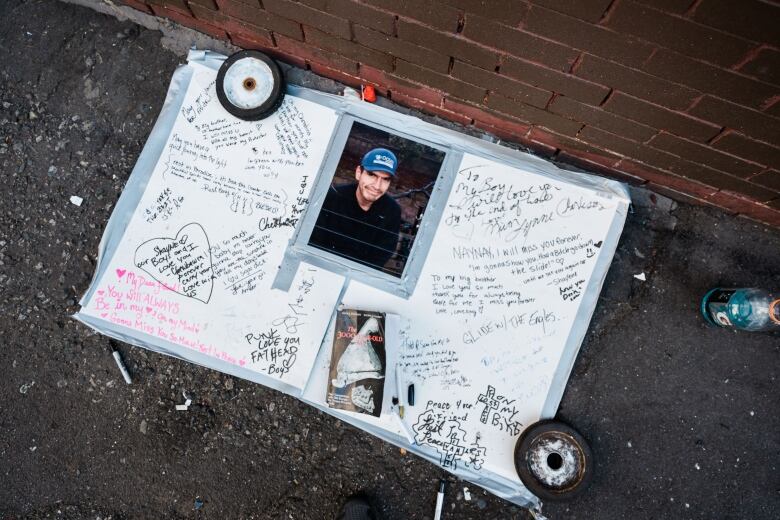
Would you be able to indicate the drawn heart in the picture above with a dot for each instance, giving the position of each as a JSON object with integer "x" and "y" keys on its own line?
{"x": 182, "y": 264}
{"x": 242, "y": 362}
{"x": 121, "y": 272}
{"x": 104, "y": 315}
{"x": 598, "y": 244}
{"x": 101, "y": 292}
{"x": 149, "y": 310}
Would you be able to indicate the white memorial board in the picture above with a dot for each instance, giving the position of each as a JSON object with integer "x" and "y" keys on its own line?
{"x": 206, "y": 258}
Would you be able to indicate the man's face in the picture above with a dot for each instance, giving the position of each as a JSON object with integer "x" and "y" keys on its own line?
{"x": 371, "y": 185}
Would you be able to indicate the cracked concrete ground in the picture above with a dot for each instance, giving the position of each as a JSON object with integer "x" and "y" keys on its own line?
{"x": 682, "y": 418}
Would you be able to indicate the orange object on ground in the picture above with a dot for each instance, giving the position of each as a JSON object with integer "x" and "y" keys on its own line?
{"x": 369, "y": 94}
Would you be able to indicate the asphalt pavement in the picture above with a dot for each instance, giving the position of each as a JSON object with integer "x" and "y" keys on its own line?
{"x": 682, "y": 417}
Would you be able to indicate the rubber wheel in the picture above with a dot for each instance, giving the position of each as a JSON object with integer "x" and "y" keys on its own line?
{"x": 246, "y": 82}
{"x": 553, "y": 461}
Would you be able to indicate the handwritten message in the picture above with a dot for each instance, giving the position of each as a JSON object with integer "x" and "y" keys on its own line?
{"x": 507, "y": 211}
{"x": 441, "y": 427}
{"x": 137, "y": 301}
{"x": 239, "y": 262}
{"x": 163, "y": 207}
{"x": 182, "y": 263}
{"x": 293, "y": 132}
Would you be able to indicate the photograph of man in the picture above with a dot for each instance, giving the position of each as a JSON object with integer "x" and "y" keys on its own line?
{"x": 360, "y": 221}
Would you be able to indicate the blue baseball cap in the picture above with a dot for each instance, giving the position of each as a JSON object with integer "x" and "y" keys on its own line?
{"x": 380, "y": 159}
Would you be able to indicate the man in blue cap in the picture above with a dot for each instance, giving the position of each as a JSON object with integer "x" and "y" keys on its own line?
{"x": 359, "y": 221}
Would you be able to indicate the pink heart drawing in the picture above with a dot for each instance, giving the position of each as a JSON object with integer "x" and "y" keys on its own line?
{"x": 121, "y": 272}
{"x": 100, "y": 293}
{"x": 242, "y": 362}
{"x": 182, "y": 264}
{"x": 104, "y": 315}
{"x": 149, "y": 310}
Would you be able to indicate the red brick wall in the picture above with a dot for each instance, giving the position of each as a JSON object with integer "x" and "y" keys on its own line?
{"x": 678, "y": 95}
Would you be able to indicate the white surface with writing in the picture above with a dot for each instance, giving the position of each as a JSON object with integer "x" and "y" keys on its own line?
{"x": 483, "y": 334}
{"x": 196, "y": 262}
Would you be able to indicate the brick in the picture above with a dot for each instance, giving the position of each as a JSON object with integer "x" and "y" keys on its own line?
{"x": 765, "y": 66}
{"x": 753, "y": 19}
{"x": 509, "y": 12}
{"x": 669, "y": 162}
{"x": 363, "y": 14}
{"x": 503, "y": 134}
{"x": 705, "y": 155}
{"x": 659, "y": 177}
{"x": 589, "y": 10}
{"x": 191, "y": 22}
{"x": 484, "y": 115}
{"x": 316, "y": 55}
{"x": 498, "y": 124}
{"x": 441, "y": 82}
{"x": 750, "y": 122}
{"x": 502, "y": 84}
{"x": 171, "y": 5}
{"x": 659, "y": 117}
{"x": 518, "y": 42}
{"x": 402, "y": 49}
{"x": 259, "y": 37}
{"x": 430, "y": 12}
{"x": 587, "y": 114}
{"x": 560, "y": 82}
{"x": 670, "y": 6}
{"x": 274, "y": 52}
{"x": 431, "y": 98}
{"x": 569, "y": 145}
{"x": 636, "y": 83}
{"x": 383, "y": 77}
{"x": 540, "y": 142}
{"x": 320, "y": 5}
{"x": 533, "y": 115}
{"x": 769, "y": 179}
{"x": 260, "y": 43}
{"x": 430, "y": 108}
{"x": 139, "y": 5}
{"x": 336, "y": 75}
{"x": 679, "y": 34}
{"x": 756, "y": 151}
{"x": 773, "y": 109}
{"x": 208, "y": 4}
{"x": 587, "y": 37}
{"x": 260, "y": 18}
{"x": 679, "y": 196}
{"x": 746, "y": 207}
{"x": 595, "y": 164}
{"x": 395, "y": 84}
{"x": 762, "y": 214}
{"x": 709, "y": 79}
{"x": 348, "y": 49}
{"x": 451, "y": 45}
{"x": 306, "y": 15}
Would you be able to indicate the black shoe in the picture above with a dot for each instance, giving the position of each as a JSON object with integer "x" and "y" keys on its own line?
{"x": 356, "y": 508}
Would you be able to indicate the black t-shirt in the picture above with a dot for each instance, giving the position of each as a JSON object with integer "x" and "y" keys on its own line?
{"x": 369, "y": 237}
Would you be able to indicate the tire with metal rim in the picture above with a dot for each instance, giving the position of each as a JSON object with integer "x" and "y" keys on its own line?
{"x": 553, "y": 460}
{"x": 250, "y": 85}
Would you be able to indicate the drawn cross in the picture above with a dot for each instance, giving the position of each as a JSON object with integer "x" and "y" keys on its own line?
{"x": 490, "y": 402}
